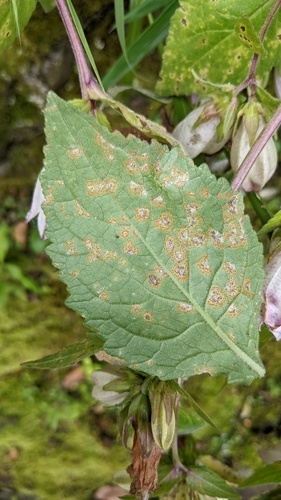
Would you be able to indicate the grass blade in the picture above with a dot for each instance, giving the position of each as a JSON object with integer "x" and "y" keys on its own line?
{"x": 148, "y": 40}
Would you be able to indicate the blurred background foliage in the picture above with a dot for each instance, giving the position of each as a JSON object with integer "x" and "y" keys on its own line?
{"x": 55, "y": 440}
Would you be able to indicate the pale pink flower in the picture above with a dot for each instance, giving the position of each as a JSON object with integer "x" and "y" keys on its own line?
{"x": 36, "y": 209}
{"x": 271, "y": 307}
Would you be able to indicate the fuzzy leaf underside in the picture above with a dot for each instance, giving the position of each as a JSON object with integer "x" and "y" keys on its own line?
{"x": 9, "y": 24}
{"x": 209, "y": 44}
{"x": 156, "y": 253}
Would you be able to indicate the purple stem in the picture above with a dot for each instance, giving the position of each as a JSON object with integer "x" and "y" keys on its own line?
{"x": 256, "y": 149}
{"x": 86, "y": 78}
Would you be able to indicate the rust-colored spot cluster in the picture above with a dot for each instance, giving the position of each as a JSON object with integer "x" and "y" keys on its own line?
{"x": 232, "y": 288}
{"x": 158, "y": 201}
{"x": 137, "y": 189}
{"x": 104, "y": 296}
{"x": 93, "y": 248}
{"x": 130, "y": 248}
{"x": 198, "y": 240}
{"x": 165, "y": 221}
{"x": 184, "y": 307}
{"x": 216, "y": 297}
{"x": 49, "y": 197}
{"x": 246, "y": 288}
{"x": 74, "y": 273}
{"x": 180, "y": 272}
{"x": 70, "y": 248}
{"x": 235, "y": 234}
{"x": 135, "y": 308}
{"x": 142, "y": 214}
{"x": 232, "y": 311}
{"x": 229, "y": 268}
{"x": 148, "y": 316}
{"x": 131, "y": 166}
{"x": 100, "y": 187}
{"x": 153, "y": 281}
{"x": 203, "y": 265}
{"x": 216, "y": 238}
{"x": 80, "y": 212}
{"x": 75, "y": 152}
{"x": 176, "y": 178}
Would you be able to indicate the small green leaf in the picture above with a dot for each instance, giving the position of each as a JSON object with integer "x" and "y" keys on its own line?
{"x": 248, "y": 36}
{"x": 69, "y": 355}
{"x": 13, "y": 18}
{"x": 157, "y": 254}
{"x": 273, "y": 223}
{"x": 265, "y": 475}
{"x": 269, "y": 103}
{"x": 140, "y": 122}
{"x": 47, "y": 5}
{"x": 207, "y": 482}
{"x": 202, "y": 38}
{"x": 196, "y": 407}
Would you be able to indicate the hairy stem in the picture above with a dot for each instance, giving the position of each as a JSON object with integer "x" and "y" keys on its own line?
{"x": 86, "y": 78}
{"x": 256, "y": 149}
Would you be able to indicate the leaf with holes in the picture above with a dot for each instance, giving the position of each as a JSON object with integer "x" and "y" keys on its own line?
{"x": 157, "y": 254}
{"x": 13, "y": 19}
{"x": 211, "y": 46}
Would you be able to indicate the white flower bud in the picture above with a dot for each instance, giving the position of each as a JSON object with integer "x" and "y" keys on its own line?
{"x": 266, "y": 163}
{"x": 271, "y": 307}
{"x": 200, "y": 139}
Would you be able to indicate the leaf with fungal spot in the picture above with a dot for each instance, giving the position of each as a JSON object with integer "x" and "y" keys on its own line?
{"x": 13, "y": 19}
{"x": 209, "y": 38}
{"x": 157, "y": 254}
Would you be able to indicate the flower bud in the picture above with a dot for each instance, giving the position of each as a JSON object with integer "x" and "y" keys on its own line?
{"x": 163, "y": 400}
{"x": 197, "y": 136}
{"x": 251, "y": 125}
{"x": 271, "y": 307}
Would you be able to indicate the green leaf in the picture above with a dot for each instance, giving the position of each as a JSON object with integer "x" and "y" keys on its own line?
{"x": 196, "y": 407}
{"x": 273, "y": 223}
{"x": 13, "y": 18}
{"x": 207, "y": 482}
{"x": 248, "y": 36}
{"x": 69, "y": 355}
{"x": 202, "y": 38}
{"x": 265, "y": 475}
{"x": 156, "y": 253}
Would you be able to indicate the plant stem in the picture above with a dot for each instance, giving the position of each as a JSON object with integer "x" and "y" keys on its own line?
{"x": 86, "y": 78}
{"x": 256, "y": 149}
{"x": 251, "y": 78}
{"x": 269, "y": 19}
